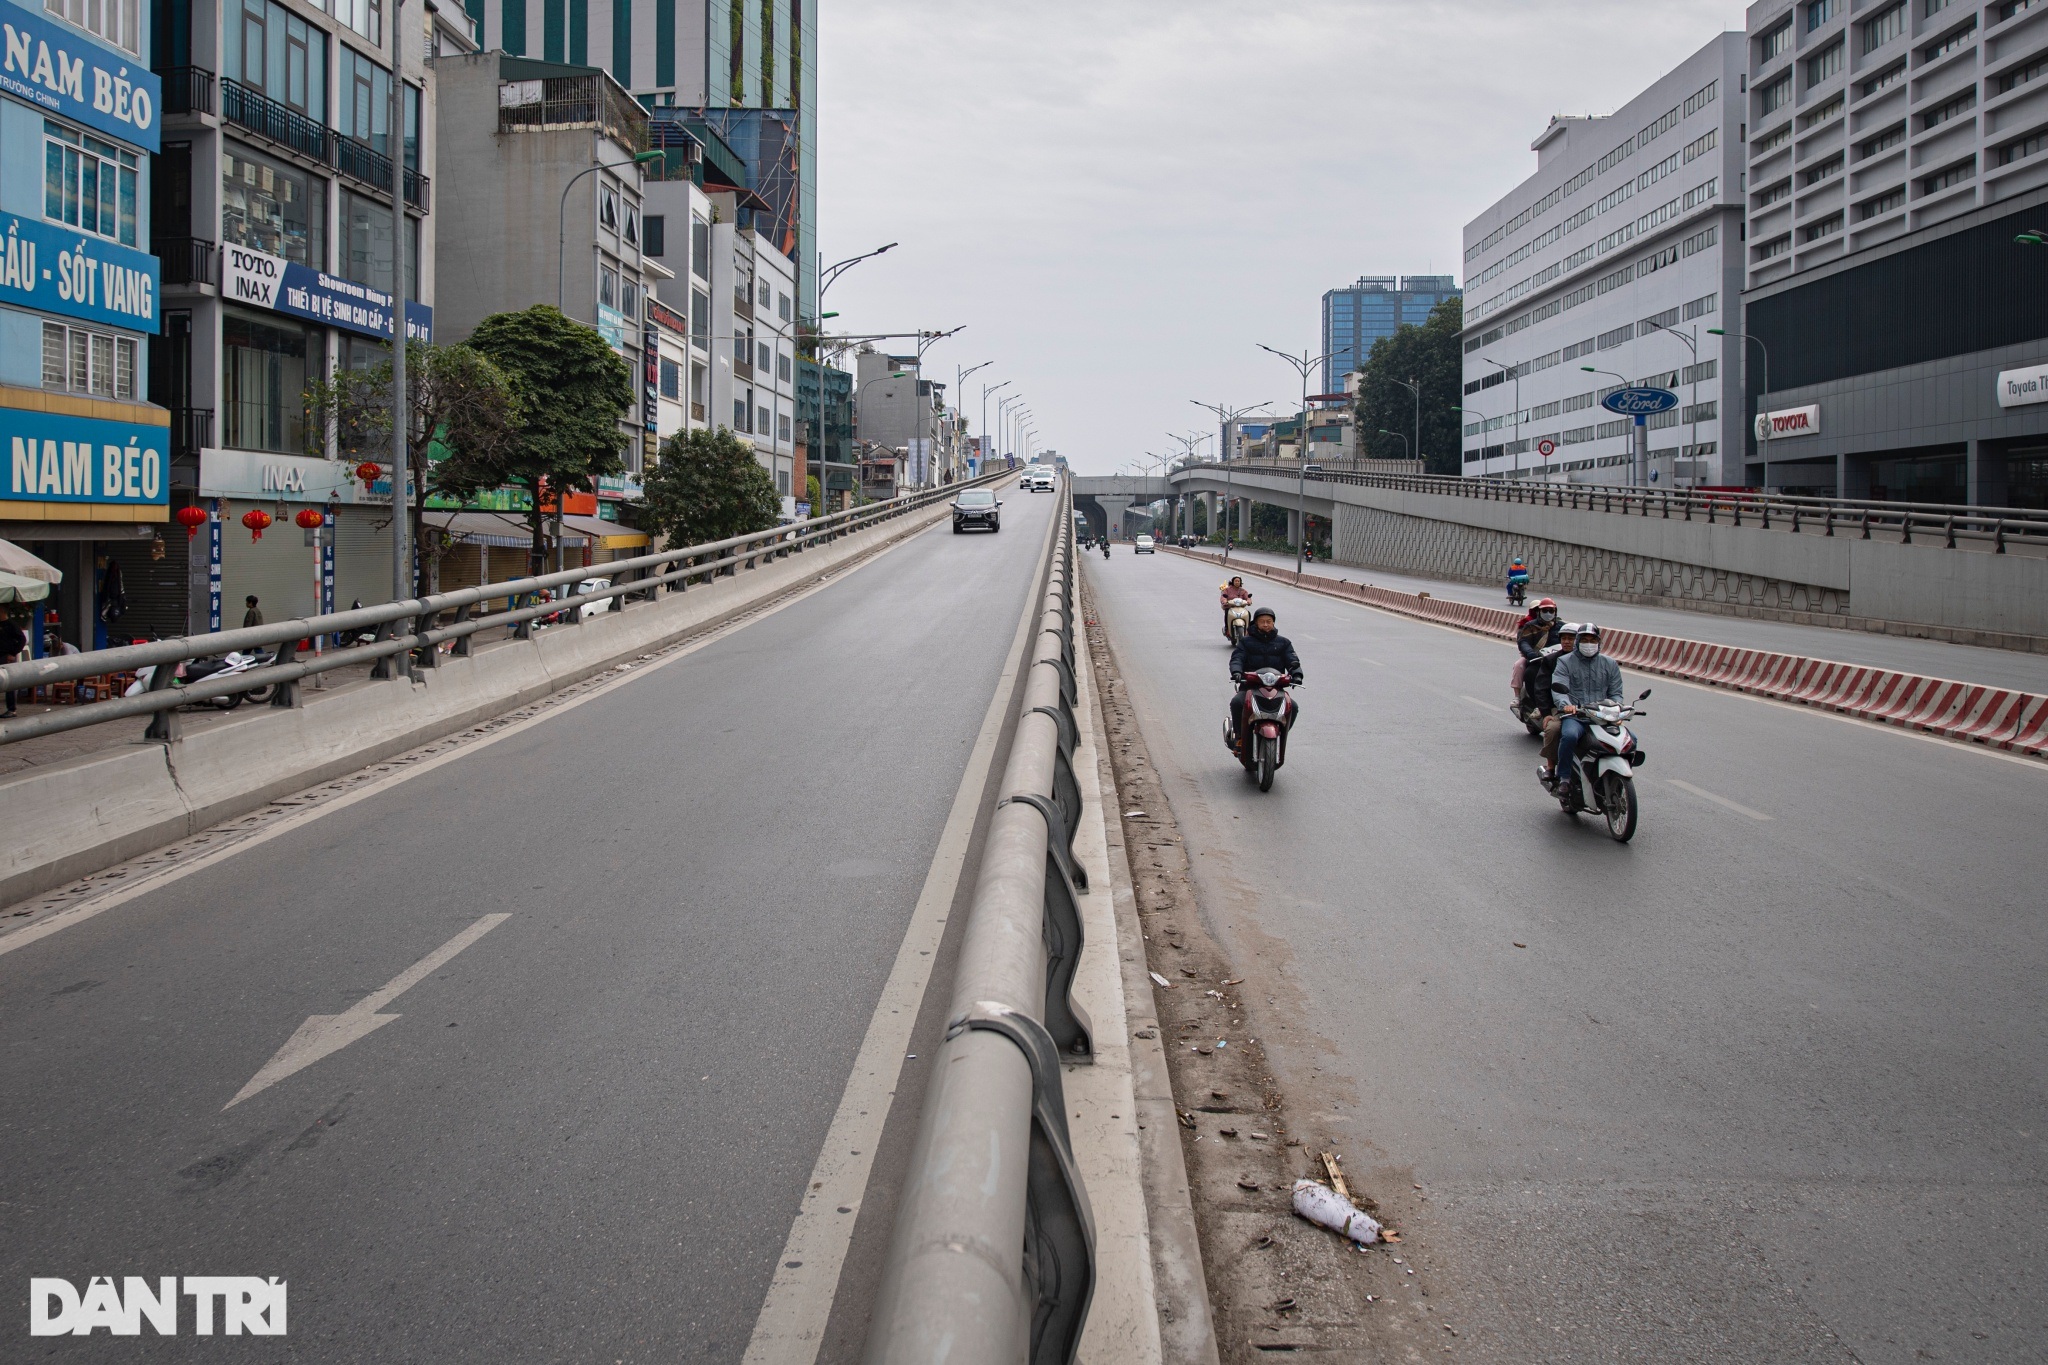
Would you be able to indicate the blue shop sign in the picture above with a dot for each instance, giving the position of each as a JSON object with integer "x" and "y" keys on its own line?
{"x": 284, "y": 286}
{"x": 62, "y": 71}
{"x": 1639, "y": 402}
{"x": 55, "y": 458}
{"x": 60, "y": 270}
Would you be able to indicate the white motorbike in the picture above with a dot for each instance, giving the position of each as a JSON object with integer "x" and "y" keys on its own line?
{"x": 1602, "y": 776}
{"x": 1237, "y": 620}
{"x": 208, "y": 670}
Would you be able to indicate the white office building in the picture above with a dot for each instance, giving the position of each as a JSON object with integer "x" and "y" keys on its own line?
{"x": 1617, "y": 256}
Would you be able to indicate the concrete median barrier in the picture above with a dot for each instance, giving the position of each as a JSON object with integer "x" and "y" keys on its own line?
{"x": 1999, "y": 717}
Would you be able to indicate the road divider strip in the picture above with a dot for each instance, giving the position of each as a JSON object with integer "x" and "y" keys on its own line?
{"x": 1997, "y": 717}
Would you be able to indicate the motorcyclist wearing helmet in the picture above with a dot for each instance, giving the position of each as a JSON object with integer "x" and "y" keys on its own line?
{"x": 1541, "y": 669}
{"x": 1583, "y": 678}
{"x": 1262, "y": 647}
{"x": 1539, "y": 630}
{"x": 1518, "y": 575}
{"x": 1233, "y": 591}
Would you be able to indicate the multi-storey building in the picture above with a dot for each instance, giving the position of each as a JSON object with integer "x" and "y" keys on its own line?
{"x": 86, "y": 478}
{"x": 1357, "y": 315}
{"x": 1896, "y": 150}
{"x": 896, "y": 407}
{"x": 753, "y": 373}
{"x": 1620, "y": 257}
{"x": 749, "y": 64}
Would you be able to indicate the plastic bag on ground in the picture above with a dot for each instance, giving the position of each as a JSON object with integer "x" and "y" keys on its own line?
{"x": 1324, "y": 1207}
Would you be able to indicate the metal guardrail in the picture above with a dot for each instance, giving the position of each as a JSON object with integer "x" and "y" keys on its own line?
{"x": 1994, "y": 529}
{"x": 413, "y": 626}
{"x": 992, "y": 1258}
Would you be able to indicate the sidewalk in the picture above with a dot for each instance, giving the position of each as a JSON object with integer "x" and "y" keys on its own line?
{"x": 1934, "y": 658}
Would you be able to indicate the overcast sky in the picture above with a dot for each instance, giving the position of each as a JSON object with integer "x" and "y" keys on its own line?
{"x": 1119, "y": 198}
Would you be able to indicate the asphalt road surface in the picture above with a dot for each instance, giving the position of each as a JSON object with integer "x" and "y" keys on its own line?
{"x": 585, "y": 1134}
{"x": 1768, "y": 1084}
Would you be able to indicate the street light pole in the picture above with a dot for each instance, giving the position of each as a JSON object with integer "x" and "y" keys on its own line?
{"x": 1763, "y": 393}
{"x": 1692, "y": 344}
{"x": 1636, "y": 477}
{"x": 827, "y": 275}
{"x": 960, "y": 383}
{"x": 1513, "y": 372}
{"x": 1303, "y": 364}
{"x": 987, "y": 436}
{"x": 1226, "y": 418}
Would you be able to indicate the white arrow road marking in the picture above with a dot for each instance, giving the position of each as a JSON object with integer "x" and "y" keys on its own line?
{"x": 326, "y": 1033}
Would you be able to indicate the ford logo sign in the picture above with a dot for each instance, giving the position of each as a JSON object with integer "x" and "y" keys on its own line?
{"x": 1639, "y": 402}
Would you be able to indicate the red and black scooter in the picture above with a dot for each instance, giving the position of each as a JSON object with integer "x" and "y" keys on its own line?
{"x": 1264, "y": 721}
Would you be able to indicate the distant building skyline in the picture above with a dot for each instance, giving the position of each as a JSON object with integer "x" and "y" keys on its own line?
{"x": 1375, "y": 306}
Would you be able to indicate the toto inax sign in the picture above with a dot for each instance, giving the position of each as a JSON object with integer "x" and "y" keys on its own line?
{"x": 1776, "y": 426}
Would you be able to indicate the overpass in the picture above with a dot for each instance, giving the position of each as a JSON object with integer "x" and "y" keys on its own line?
{"x": 1115, "y": 500}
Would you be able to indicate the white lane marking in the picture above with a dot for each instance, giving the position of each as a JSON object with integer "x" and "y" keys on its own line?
{"x": 1735, "y": 806}
{"x": 1487, "y": 707}
{"x": 323, "y": 1034}
{"x": 127, "y": 891}
{"x": 1374, "y": 662}
{"x": 791, "y": 1326}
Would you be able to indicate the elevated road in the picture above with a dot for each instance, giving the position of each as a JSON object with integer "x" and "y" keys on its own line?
{"x": 531, "y": 1055}
{"x": 1764, "y": 1085}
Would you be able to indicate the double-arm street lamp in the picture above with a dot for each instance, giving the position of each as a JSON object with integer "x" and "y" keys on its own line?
{"x": 1513, "y": 372}
{"x": 1692, "y": 344}
{"x": 1765, "y": 392}
{"x": 1304, "y": 364}
{"x": 1227, "y": 418}
{"x": 987, "y": 438}
{"x": 960, "y": 386}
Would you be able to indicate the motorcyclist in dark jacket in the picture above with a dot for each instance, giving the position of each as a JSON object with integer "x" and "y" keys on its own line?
{"x": 1538, "y": 630}
{"x": 1263, "y": 646}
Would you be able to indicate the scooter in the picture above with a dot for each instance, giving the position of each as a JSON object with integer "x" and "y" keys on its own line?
{"x": 1518, "y": 592}
{"x": 1105, "y": 547}
{"x": 1237, "y": 621}
{"x": 1268, "y": 717}
{"x": 226, "y": 665}
{"x": 1529, "y": 682}
{"x": 1602, "y": 778}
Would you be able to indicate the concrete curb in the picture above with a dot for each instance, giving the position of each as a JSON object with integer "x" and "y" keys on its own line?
{"x": 74, "y": 818}
{"x": 1995, "y": 716}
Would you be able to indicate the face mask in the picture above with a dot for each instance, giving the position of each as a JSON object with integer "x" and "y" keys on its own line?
{"x": 1546, "y": 616}
{"x": 1588, "y": 648}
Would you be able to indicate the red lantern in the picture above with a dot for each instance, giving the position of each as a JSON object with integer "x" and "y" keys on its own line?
{"x": 310, "y": 519}
{"x": 256, "y": 519}
{"x": 191, "y": 518}
{"x": 369, "y": 471}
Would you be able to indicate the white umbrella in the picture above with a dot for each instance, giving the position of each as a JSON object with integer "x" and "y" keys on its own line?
{"x": 16, "y": 588}
{"x": 17, "y": 561}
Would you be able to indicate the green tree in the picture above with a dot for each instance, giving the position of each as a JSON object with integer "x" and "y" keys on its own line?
{"x": 572, "y": 391}
{"x": 459, "y": 400}
{"x": 708, "y": 486}
{"x": 1432, "y": 357}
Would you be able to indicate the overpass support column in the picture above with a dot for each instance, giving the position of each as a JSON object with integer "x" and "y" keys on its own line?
{"x": 1294, "y": 526}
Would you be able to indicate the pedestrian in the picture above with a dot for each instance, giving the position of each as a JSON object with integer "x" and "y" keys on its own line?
{"x": 13, "y": 640}
{"x": 254, "y": 615}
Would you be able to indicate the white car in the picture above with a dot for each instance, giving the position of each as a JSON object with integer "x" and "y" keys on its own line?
{"x": 1144, "y": 546}
{"x": 1039, "y": 481}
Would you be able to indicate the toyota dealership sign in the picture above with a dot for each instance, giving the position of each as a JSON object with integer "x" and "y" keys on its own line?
{"x": 1776, "y": 426}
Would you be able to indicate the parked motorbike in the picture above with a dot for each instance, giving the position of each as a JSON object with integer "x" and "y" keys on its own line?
{"x": 1237, "y": 621}
{"x": 1268, "y": 716}
{"x": 1602, "y": 778}
{"x": 227, "y": 665}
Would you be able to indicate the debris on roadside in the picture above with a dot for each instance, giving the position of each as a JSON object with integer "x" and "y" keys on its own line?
{"x": 1324, "y": 1207}
{"x": 1159, "y": 980}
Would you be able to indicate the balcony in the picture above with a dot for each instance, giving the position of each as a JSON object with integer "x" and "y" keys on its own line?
{"x": 360, "y": 161}
{"x": 594, "y": 101}
{"x": 187, "y": 90}
{"x": 191, "y": 431}
{"x": 274, "y": 122}
{"x": 185, "y": 260}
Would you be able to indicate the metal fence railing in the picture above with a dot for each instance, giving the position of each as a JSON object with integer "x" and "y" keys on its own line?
{"x": 1998, "y": 530}
{"x": 414, "y": 626}
{"x": 992, "y": 1257}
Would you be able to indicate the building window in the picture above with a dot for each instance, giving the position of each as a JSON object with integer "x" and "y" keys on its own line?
{"x": 632, "y": 233}
{"x": 263, "y": 380}
{"x": 700, "y": 318}
{"x": 671, "y": 379}
{"x": 763, "y": 424}
{"x": 1826, "y": 227}
{"x": 2012, "y": 7}
{"x": 118, "y": 21}
{"x": 1930, "y": 8}
{"x": 271, "y": 207}
{"x": 1824, "y": 64}
{"x": 767, "y": 295}
{"x": 766, "y": 361}
{"x": 367, "y": 18}
{"x": 782, "y": 426}
{"x": 1774, "y": 43}
{"x": 2013, "y": 80}
{"x": 1884, "y": 80}
{"x": 274, "y": 52}
{"x": 1884, "y": 141}
{"x": 1885, "y": 27}
{"x": 1771, "y": 194}
{"x": 782, "y": 309}
{"x": 366, "y": 244}
{"x": 1961, "y": 104}
{"x": 782, "y": 367}
{"x": 1770, "y": 142}
{"x": 608, "y": 208}
{"x": 700, "y": 248}
{"x": 79, "y": 361}
{"x": 656, "y": 235}
{"x": 607, "y": 287}
{"x": 1775, "y": 95}
{"x": 1819, "y": 12}
{"x": 2024, "y": 148}
{"x": 1825, "y": 171}
{"x": 88, "y": 183}
{"x": 1884, "y": 203}
{"x": 1948, "y": 43}
{"x": 1700, "y": 307}
{"x": 1777, "y": 246}
{"x": 1954, "y": 175}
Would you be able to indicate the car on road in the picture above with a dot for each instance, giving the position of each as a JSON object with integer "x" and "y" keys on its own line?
{"x": 976, "y": 509}
{"x": 1145, "y": 545}
{"x": 1039, "y": 479}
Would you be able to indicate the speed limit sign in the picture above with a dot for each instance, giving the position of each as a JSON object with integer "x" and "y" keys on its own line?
{"x": 1546, "y": 448}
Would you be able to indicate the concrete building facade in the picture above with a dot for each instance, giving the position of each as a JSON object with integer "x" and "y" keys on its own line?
{"x": 1896, "y": 151}
{"x": 1619, "y": 255}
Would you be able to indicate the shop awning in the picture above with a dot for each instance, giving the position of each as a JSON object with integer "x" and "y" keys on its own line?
{"x": 508, "y": 530}
{"x": 17, "y": 561}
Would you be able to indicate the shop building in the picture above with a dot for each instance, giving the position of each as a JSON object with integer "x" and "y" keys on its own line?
{"x": 1897, "y": 153}
{"x": 87, "y": 472}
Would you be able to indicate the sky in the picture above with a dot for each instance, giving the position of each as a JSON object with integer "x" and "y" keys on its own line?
{"x": 1119, "y": 200}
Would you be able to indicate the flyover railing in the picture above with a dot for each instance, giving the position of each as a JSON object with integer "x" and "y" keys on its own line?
{"x": 992, "y": 1257}
{"x": 1994, "y": 529}
{"x": 414, "y": 627}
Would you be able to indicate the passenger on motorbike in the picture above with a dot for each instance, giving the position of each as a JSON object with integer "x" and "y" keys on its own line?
{"x": 1538, "y": 630}
{"x": 1583, "y": 678}
{"x": 1262, "y": 647}
{"x": 1233, "y": 591}
{"x": 1541, "y": 669}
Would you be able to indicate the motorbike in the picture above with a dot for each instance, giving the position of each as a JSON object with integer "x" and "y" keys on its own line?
{"x": 1268, "y": 716}
{"x": 1602, "y": 778}
{"x": 1518, "y": 592}
{"x": 1237, "y": 620}
{"x": 1530, "y": 685}
{"x": 1105, "y": 547}
{"x": 217, "y": 666}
